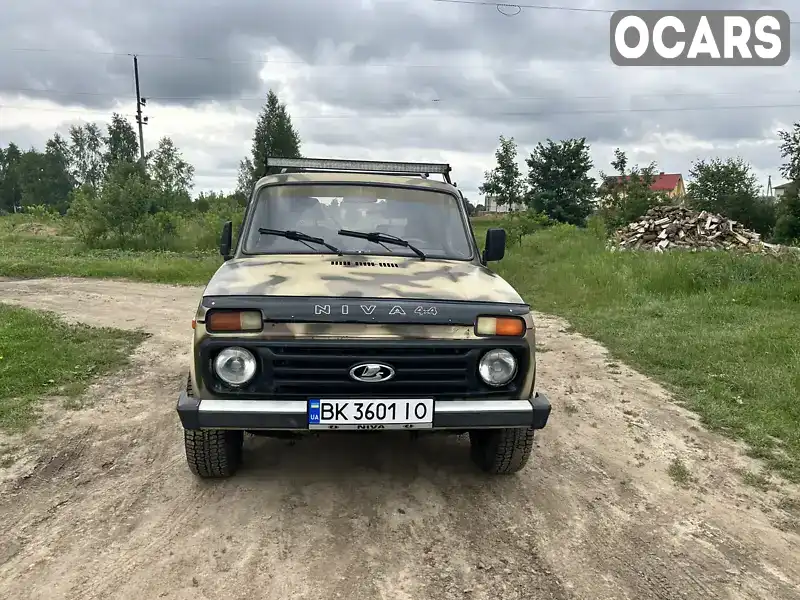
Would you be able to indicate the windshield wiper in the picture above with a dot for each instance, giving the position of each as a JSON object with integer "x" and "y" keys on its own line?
{"x": 379, "y": 237}
{"x": 299, "y": 236}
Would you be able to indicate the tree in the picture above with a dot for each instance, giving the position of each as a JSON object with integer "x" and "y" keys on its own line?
{"x": 61, "y": 183}
{"x": 245, "y": 180}
{"x": 729, "y": 187}
{"x": 121, "y": 142}
{"x": 790, "y": 152}
{"x": 35, "y": 178}
{"x": 172, "y": 176}
{"x": 558, "y": 181}
{"x": 43, "y": 180}
{"x": 627, "y": 196}
{"x": 118, "y": 211}
{"x": 504, "y": 181}
{"x": 87, "y": 155}
{"x": 10, "y": 191}
{"x": 787, "y": 225}
{"x": 275, "y": 136}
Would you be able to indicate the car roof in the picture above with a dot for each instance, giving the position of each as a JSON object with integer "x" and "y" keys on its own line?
{"x": 362, "y": 178}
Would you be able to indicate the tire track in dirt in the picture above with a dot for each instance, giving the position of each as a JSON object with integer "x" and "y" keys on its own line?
{"x": 594, "y": 516}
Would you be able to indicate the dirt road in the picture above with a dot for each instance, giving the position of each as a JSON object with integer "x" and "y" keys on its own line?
{"x": 104, "y": 506}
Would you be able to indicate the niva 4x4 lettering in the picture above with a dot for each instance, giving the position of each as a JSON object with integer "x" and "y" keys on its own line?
{"x": 356, "y": 298}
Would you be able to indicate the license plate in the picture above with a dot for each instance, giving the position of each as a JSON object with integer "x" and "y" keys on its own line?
{"x": 370, "y": 414}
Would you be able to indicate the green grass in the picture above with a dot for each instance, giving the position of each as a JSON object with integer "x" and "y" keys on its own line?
{"x": 41, "y": 355}
{"x": 721, "y": 331}
{"x": 43, "y": 256}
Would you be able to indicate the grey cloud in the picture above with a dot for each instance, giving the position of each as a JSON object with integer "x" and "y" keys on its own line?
{"x": 191, "y": 52}
{"x": 24, "y": 137}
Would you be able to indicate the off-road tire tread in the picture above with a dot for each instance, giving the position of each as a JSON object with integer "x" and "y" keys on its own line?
{"x": 502, "y": 451}
{"x": 213, "y": 453}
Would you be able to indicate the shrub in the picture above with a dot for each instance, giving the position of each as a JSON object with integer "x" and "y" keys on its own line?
{"x": 520, "y": 224}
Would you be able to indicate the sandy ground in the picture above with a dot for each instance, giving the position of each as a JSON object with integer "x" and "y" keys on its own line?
{"x": 101, "y": 504}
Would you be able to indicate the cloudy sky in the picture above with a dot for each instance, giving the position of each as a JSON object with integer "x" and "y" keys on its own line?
{"x": 384, "y": 79}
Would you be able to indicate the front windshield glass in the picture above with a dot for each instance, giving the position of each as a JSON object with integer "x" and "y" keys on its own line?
{"x": 427, "y": 219}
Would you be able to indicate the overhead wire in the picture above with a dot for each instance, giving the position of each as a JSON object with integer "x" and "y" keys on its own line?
{"x": 432, "y": 99}
{"x": 60, "y": 110}
{"x": 531, "y": 6}
{"x": 521, "y": 6}
{"x": 438, "y": 115}
{"x": 498, "y": 5}
{"x": 449, "y": 66}
{"x": 251, "y": 60}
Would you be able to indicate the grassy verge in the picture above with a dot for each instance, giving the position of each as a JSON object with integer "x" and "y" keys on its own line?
{"x": 42, "y": 355}
{"x": 721, "y": 331}
{"x": 45, "y": 256}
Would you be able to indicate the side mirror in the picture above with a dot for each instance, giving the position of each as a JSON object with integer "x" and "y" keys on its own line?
{"x": 226, "y": 240}
{"x": 495, "y": 248}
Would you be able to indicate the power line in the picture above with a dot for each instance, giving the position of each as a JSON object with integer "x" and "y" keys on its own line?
{"x": 509, "y": 98}
{"x": 268, "y": 61}
{"x": 512, "y": 5}
{"x": 531, "y": 6}
{"x": 543, "y": 113}
{"x": 60, "y": 110}
{"x": 300, "y": 63}
{"x": 230, "y": 60}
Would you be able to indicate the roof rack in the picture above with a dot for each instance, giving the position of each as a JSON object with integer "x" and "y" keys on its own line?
{"x": 364, "y": 166}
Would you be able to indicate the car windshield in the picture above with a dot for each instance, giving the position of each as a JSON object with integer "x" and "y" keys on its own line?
{"x": 428, "y": 219}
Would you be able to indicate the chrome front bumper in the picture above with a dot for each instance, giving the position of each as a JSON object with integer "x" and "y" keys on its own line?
{"x": 196, "y": 413}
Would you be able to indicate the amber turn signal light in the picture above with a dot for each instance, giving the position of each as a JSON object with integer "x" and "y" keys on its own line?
{"x": 233, "y": 320}
{"x": 505, "y": 326}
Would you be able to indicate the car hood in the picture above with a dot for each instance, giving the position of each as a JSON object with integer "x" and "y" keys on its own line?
{"x": 360, "y": 277}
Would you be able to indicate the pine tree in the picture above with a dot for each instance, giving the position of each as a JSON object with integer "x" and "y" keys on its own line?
{"x": 274, "y": 136}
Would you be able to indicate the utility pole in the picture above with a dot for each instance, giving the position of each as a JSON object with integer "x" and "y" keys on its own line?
{"x": 140, "y": 102}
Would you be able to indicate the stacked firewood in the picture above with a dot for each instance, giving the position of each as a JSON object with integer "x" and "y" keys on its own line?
{"x": 675, "y": 227}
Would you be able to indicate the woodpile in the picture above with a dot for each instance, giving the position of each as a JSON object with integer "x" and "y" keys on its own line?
{"x": 676, "y": 227}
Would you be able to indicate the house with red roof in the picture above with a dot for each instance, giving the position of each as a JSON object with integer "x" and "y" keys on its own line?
{"x": 669, "y": 183}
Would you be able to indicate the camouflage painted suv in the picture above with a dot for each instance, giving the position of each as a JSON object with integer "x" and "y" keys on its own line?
{"x": 356, "y": 298}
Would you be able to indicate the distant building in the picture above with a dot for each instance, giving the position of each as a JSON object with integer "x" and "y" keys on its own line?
{"x": 780, "y": 190}
{"x": 669, "y": 183}
{"x": 492, "y": 206}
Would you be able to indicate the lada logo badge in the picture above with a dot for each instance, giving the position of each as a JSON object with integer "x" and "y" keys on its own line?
{"x": 371, "y": 372}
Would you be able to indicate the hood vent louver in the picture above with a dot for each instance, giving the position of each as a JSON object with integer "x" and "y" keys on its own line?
{"x": 347, "y": 263}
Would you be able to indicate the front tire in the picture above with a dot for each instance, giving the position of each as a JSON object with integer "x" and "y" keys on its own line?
{"x": 501, "y": 451}
{"x": 213, "y": 453}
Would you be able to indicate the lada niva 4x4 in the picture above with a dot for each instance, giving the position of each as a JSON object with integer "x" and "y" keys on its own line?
{"x": 357, "y": 298}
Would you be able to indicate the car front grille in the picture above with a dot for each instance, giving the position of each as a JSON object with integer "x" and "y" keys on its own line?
{"x": 321, "y": 369}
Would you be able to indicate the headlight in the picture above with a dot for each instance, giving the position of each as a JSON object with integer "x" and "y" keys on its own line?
{"x": 497, "y": 367}
{"x": 235, "y": 366}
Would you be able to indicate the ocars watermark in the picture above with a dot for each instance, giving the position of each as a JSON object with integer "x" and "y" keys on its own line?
{"x": 700, "y": 37}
